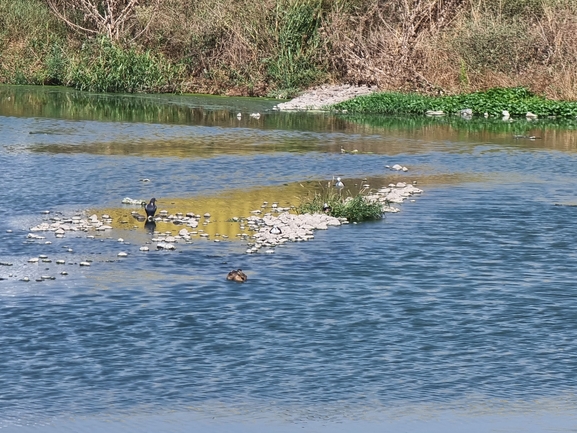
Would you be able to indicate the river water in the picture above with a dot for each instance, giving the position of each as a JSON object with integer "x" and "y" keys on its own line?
{"x": 456, "y": 314}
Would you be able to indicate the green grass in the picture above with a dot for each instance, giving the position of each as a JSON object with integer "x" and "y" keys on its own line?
{"x": 354, "y": 208}
{"x": 517, "y": 101}
{"x": 294, "y": 64}
{"x": 103, "y": 66}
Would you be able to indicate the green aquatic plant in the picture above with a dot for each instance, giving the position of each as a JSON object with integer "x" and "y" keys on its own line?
{"x": 341, "y": 204}
{"x": 517, "y": 101}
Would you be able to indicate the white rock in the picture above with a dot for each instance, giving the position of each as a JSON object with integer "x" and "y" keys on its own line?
{"x": 122, "y": 254}
{"x": 144, "y": 248}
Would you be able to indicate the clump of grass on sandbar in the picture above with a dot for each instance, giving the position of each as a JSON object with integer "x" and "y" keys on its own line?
{"x": 354, "y": 208}
{"x": 517, "y": 101}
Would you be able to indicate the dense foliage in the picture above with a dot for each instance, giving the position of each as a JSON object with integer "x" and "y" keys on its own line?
{"x": 102, "y": 66}
{"x": 517, "y": 101}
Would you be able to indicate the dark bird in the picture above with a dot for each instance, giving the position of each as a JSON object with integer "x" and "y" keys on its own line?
{"x": 237, "y": 275}
{"x": 150, "y": 209}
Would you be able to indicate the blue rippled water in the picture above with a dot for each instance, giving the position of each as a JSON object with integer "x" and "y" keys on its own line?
{"x": 464, "y": 301}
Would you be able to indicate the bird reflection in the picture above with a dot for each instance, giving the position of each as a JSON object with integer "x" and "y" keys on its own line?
{"x": 150, "y": 226}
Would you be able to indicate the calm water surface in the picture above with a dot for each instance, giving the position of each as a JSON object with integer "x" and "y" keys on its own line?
{"x": 456, "y": 314}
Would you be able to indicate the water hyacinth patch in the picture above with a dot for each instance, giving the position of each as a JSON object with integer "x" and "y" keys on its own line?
{"x": 518, "y": 101}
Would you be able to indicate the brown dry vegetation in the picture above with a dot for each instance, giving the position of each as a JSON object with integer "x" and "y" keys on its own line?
{"x": 277, "y": 47}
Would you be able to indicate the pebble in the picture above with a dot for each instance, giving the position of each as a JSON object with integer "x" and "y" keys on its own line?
{"x": 84, "y": 263}
{"x": 122, "y": 254}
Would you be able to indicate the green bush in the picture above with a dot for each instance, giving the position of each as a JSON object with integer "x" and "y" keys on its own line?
{"x": 353, "y": 208}
{"x": 103, "y": 66}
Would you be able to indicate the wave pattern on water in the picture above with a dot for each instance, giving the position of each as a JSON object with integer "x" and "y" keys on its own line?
{"x": 468, "y": 293}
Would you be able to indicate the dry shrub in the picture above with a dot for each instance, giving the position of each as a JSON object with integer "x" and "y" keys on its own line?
{"x": 219, "y": 42}
{"x": 558, "y": 28}
{"x": 232, "y": 46}
{"x": 377, "y": 42}
{"x": 511, "y": 47}
{"x": 496, "y": 44}
{"x": 115, "y": 19}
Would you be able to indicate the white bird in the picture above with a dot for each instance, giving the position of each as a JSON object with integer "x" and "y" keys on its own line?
{"x": 275, "y": 231}
{"x": 339, "y": 183}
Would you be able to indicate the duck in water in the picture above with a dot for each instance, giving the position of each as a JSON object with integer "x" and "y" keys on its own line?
{"x": 150, "y": 209}
{"x": 237, "y": 275}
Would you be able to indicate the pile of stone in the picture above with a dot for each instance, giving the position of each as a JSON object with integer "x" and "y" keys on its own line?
{"x": 322, "y": 97}
{"x": 60, "y": 226}
{"x": 394, "y": 193}
{"x": 190, "y": 219}
{"x": 274, "y": 230}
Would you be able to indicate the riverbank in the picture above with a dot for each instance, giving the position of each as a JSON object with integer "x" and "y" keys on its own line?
{"x": 497, "y": 102}
{"x": 277, "y": 48}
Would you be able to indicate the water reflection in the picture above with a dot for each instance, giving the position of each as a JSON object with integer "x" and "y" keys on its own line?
{"x": 150, "y": 227}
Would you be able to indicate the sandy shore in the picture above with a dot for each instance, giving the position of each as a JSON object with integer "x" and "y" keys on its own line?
{"x": 321, "y": 97}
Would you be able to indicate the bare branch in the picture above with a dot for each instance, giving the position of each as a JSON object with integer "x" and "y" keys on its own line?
{"x": 113, "y": 18}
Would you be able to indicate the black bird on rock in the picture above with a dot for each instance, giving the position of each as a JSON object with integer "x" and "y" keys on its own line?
{"x": 150, "y": 209}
